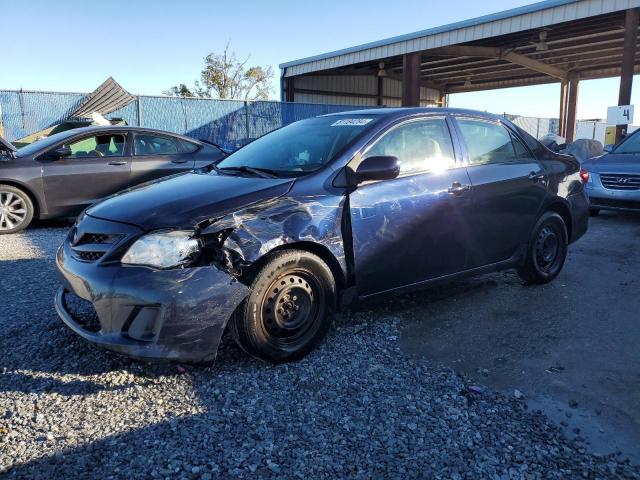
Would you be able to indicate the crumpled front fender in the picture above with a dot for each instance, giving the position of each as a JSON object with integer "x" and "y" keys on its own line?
{"x": 259, "y": 229}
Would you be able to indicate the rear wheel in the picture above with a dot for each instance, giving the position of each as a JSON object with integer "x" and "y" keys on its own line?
{"x": 289, "y": 309}
{"x": 16, "y": 209}
{"x": 546, "y": 251}
{"x": 594, "y": 212}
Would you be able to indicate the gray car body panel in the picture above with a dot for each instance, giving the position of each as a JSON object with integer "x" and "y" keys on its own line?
{"x": 30, "y": 172}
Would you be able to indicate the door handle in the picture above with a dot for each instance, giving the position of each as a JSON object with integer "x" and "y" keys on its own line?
{"x": 118, "y": 162}
{"x": 536, "y": 176}
{"x": 179, "y": 161}
{"x": 457, "y": 188}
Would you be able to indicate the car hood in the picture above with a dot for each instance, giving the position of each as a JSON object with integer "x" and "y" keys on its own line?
{"x": 184, "y": 201}
{"x": 614, "y": 163}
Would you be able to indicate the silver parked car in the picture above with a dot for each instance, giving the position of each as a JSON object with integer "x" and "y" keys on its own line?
{"x": 613, "y": 179}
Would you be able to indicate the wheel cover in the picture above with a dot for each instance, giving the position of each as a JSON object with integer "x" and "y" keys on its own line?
{"x": 547, "y": 249}
{"x": 13, "y": 210}
{"x": 291, "y": 307}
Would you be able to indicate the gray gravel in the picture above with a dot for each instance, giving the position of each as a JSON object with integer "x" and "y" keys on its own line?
{"x": 355, "y": 408}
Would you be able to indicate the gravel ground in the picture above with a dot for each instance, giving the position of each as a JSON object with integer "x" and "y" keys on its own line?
{"x": 355, "y": 408}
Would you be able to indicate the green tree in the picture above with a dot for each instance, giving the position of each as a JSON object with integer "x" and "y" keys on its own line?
{"x": 226, "y": 77}
{"x": 180, "y": 91}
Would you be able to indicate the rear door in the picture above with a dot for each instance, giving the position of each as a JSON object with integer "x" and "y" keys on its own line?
{"x": 414, "y": 227}
{"x": 156, "y": 155}
{"x": 508, "y": 188}
{"x": 98, "y": 166}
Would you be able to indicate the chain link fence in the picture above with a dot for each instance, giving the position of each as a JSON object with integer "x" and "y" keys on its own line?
{"x": 538, "y": 127}
{"x": 229, "y": 123}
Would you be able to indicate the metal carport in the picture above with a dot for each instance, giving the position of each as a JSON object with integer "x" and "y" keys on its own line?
{"x": 551, "y": 41}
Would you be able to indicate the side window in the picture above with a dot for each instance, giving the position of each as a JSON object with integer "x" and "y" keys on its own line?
{"x": 98, "y": 146}
{"x": 420, "y": 145}
{"x": 155, "y": 145}
{"x": 486, "y": 142}
{"x": 188, "y": 147}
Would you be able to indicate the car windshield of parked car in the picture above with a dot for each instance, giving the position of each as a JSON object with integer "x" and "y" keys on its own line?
{"x": 299, "y": 148}
{"x": 45, "y": 143}
{"x": 630, "y": 145}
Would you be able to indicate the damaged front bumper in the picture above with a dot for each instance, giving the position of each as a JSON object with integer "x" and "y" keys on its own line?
{"x": 177, "y": 314}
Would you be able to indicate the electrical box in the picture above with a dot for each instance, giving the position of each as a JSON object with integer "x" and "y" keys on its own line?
{"x": 610, "y": 135}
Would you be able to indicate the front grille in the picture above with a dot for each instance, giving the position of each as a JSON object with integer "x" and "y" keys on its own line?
{"x": 605, "y": 202}
{"x": 620, "y": 181}
{"x": 82, "y": 312}
{"x": 89, "y": 256}
{"x": 91, "y": 247}
{"x": 99, "y": 238}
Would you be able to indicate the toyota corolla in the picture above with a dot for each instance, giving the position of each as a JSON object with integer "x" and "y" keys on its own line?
{"x": 320, "y": 214}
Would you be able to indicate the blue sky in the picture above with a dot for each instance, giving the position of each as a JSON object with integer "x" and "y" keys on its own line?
{"x": 148, "y": 46}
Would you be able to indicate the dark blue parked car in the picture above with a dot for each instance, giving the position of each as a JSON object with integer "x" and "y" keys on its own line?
{"x": 317, "y": 215}
{"x": 613, "y": 179}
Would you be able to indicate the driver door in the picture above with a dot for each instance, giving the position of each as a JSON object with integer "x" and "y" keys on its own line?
{"x": 98, "y": 166}
{"x": 412, "y": 228}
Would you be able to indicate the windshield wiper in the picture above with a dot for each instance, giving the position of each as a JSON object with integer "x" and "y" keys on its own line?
{"x": 260, "y": 172}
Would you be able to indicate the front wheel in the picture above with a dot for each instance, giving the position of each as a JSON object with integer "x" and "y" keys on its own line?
{"x": 289, "y": 308}
{"x": 16, "y": 209}
{"x": 546, "y": 251}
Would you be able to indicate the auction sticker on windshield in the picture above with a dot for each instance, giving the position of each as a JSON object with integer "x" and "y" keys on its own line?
{"x": 349, "y": 122}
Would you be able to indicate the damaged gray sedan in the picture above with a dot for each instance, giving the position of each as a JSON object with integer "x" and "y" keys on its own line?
{"x": 317, "y": 215}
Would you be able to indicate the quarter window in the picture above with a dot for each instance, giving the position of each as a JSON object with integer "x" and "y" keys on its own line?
{"x": 98, "y": 146}
{"x": 521, "y": 151}
{"x": 155, "y": 145}
{"x": 420, "y": 145}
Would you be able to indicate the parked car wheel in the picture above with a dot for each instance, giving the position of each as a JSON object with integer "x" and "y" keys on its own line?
{"x": 546, "y": 251}
{"x": 16, "y": 209}
{"x": 289, "y": 309}
{"x": 594, "y": 212}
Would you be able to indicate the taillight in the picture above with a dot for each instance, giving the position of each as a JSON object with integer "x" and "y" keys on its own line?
{"x": 584, "y": 175}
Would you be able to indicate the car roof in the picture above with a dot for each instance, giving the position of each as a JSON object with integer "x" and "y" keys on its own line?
{"x": 408, "y": 111}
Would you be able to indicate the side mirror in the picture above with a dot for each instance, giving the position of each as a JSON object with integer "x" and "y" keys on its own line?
{"x": 608, "y": 148}
{"x": 60, "y": 152}
{"x": 377, "y": 168}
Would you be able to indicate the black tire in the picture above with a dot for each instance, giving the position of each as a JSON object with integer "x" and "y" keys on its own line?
{"x": 289, "y": 309}
{"x": 546, "y": 251}
{"x": 594, "y": 212}
{"x": 16, "y": 210}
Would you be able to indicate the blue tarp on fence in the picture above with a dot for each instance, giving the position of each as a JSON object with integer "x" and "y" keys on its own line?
{"x": 230, "y": 123}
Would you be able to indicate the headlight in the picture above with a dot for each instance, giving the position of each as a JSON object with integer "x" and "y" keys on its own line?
{"x": 163, "y": 249}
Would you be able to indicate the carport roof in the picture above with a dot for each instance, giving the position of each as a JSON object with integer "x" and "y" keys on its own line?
{"x": 583, "y": 36}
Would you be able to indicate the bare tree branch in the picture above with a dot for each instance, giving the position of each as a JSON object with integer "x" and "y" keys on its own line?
{"x": 225, "y": 77}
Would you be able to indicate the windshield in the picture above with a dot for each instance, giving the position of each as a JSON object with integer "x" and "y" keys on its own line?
{"x": 631, "y": 144}
{"x": 301, "y": 147}
{"x": 44, "y": 143}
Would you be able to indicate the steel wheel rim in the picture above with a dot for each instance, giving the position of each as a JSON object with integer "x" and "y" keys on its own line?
{"x": 291, "y": 308}
{"x": 13, "y": 210}
{"x": 547, "y": 248}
